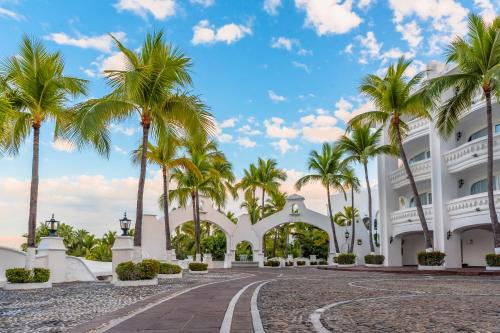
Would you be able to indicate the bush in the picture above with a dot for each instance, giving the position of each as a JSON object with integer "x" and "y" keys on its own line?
{"x": 170, "y": 268}
{"x": 197, "y": 266}
{"x": 493, "y": 260}
{"x": 335, "y": 260}
{"x": 313, "y": 263}
{"x": 18, "y": 275}
{"x": 301, "y": 263}
{"x": 434, "y": 258}
{"x": 126, "y": 271}
{"x": 346, "y": 259}
{"x": 41, "y": 275}
{"x": 147, "y": 269}
{"x": 323, "y": 262}
{"x": 272, "y": 263}
{"x": 374, "y": 259}
{"x": 288, "y": 263}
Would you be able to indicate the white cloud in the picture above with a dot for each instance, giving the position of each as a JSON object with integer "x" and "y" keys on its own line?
{"x": 411, "y": 33}
{"x": 271, "y": 6}
{"x": 113, "y": 61}
{"x": 348, "y": 48}
{"x": 304, "y": 52}
{"x": 282, "y": 43}
{"x": 128, "y": 131}
{"x": 230, "y": 122}
{"x": 120, "y": 150}
{"x": 204, "y": 3}
{"x": 275, "y": 128}
{"x": 248, "y": 130}
{"x": 63, "y": 145}
{"x": 246, "y": 142}
{"x": 160, "y": 9}
{"x": 302, "y": 66}
{"x": 320, "y": 134}
{"x": 10, "y": 14}
{"x": 224, "y": 137}
{"x": 487, "y": 9}
{"x": 284, "y": 146}
{"x": 345, "y": 110}
{"x": 364, "y": 4}
{"x": 275, "y": 97}
{"x": 102, "y": 43}
{"x": 329, "y": 16}
{"x": 320, "y": 120}
{"x": 204, "y": 33}
{"x": 370, "y": 47}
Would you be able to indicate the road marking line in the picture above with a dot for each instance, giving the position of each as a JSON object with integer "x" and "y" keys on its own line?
{"x": 254, "y": 309}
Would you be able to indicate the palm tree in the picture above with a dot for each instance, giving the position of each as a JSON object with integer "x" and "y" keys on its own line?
{"x": 346, "y": 217}
{"x": 38, "y": 91}
{"x": 361, "y": 146}
{"x": 328, "y": 170}
{"x": 397, "y": 98}
{"x": 5, "y": 123}
{"x": 351, "y": 182}
{"x": 478, "y": 61}
{"x": 268, "y": 178}
{"x": 149, "y": 87}
{"x": 164, "y": 155}
{"x": 275, "y": 203}
{"x": 252, "y": 207}
{"x": 231, "y": 216}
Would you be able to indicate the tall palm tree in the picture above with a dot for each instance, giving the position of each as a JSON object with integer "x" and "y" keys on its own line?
{"x": 478, "y": 60}
{"x": 362, "y": 145}
{"x": 149, "y": 87}
{"x": 275, "y": 203}
{"x": 164, "y": 155}
{"x": 351, "y": 183}
{"x": 346, "y": 217}
{"x": 268, "y": 178}
{"x": 397, "y": 97}
{"x": 249, "y": 183}
{"x": 38, "y": 91}
{"x": 328, "y": 169}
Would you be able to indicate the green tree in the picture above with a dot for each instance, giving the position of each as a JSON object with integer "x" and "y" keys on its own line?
{"x": 351, "y": 183}
{"x": 151, "y": 87}
{"x": 275, "y": 203}
{"x": 38, "y": 91}
{"x": 397, "y": 97}
{"x": 328, "y": 169}
{"x": 478, "y": 62}
{"x": 345, "y": 218}
{"x": 269, "y": 177}
{"x": 362, "y": 145}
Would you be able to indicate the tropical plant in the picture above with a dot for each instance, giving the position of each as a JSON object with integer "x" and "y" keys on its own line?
{"x": 268, "y": 176}
{"x": 351, "y": 183}
{"x": 275, "y": 203}
{"x": 231, "y": 216}
{"x": 477, "y": 58}
{"x": 149, "y": 86}
{"x": 397, "y": 98}
{"x": 347, "y": 217}
{"x": 360, "y": 146}
{"x": 38, "y": 91}
{"x": 328, "y": 169}
{"x": 251, "y": 205}
{"x": 249, "y": 184}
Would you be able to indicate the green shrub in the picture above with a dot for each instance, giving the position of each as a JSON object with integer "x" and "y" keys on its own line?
{"x": 301, "y": 263}
{"x": 197, "y": 266}
{"x": 166, "y": 268}
{"x": 434, "y": 258}
{"x": 346, "y": 258}
{"x": 288, "y": 263}
{"x": 41, "y": 275}
{"x": 335, "y": 260}
{"x": 313, "y": 263}
{"x": 147, "y": 269}
{"x": 323, "y": 262}
{"x": 374, "y": 259}
{"x": 272, "y": 263}
{"x": 126, "y": 271}
{"x": 493, "y": 260}
{"x": 18, "y": 275}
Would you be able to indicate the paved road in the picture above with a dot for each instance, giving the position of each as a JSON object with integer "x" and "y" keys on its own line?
{"x": 202, "y": 309}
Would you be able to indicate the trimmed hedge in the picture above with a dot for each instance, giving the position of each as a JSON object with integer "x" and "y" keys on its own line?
{"x": 374, "y": 259}
{"x": 272, "y": 263}
{"x": 346, "y": 259}
{"x": 145, "y": 270}
{"x": 23, "y": 275}
{"x": 335, "y": 260}
{"x": 288, "y": 263}
{"x": 313, "y": 263}
{"x": 301, "y": 263}
{"x": 434, "y": 258}
{"x": 493, "y": 260}
{"x": 323, "y": 262}
{"x": 198, "y": 266}
{"x": 166, "y": 268}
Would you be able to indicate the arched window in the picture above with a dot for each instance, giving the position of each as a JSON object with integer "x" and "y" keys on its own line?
{"x": 483, "y": 132}
{"x": 482, "y": 186}
{"x": 420, "y": 157}
{"x": 425, "y": 199}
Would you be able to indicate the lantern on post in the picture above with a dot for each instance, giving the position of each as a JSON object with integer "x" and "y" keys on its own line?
{"x": 346, "y": 235}
{"x": 52, "y": 225}
{"x": 125, "y": 224}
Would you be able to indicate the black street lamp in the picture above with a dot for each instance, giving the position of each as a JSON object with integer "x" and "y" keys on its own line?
{"x": 125, "y": 224}
{"x": 52, "y": 225}
{"x": 346, "y": 235}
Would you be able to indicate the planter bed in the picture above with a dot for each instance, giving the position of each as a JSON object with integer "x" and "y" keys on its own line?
{"x": 198, "y": 272}
{"x": 27, "y": 286}
{"x": 431, "y": 268}
{"x": 170, "y": 276}
{"x": 135, "y": 283}
{"x": 493, "y": 268}
{"x": 346, "y": 265}
{"x": 374, "y": 265}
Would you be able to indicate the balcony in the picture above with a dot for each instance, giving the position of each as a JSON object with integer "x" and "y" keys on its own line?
{"x": 406, "y": 220}
{"x": 421, "y": 171}
{"x": 471, "y": 210}
{"x": 416, "y": 128}
{"x": 471, "y": 154}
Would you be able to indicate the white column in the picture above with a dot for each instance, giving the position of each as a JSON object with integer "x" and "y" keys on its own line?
{"x": 207, "y": 259}
{"x": 123, "y": 250}
{"x": 55, "y": 250}
{"x": 171, "y": 256}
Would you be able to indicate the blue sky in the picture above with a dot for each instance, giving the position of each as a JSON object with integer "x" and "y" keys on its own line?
{"x": 280, "y": 77}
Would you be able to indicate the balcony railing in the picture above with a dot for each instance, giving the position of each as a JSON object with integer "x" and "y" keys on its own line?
{"x": 417, "y": 128}
{"x": 421, "y": 171}
{"x": 471, "y": 205}
{"x": 407, "y": 220}
{"x": 471, "y": 154}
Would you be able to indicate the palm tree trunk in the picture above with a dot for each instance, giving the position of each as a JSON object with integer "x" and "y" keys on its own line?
{"x": 263, "y": 204}
{"x": 168, "y": 241}
{"x": 264, "y": 247}
{"x": 195, "y": 219}
{"x": 353, "y": 230}
{"x": 198, "y": 224}
{"x": 140, "y": 192}
{"x": 275, "y": 242}
{"x": 30, "y": 256}
{"x": 370, "y": 231}
{"x": 286, "y": 241}
{"x": 334, "y": 233}
{"x": 413, "y": 185}
{"x": 491, "y": 200}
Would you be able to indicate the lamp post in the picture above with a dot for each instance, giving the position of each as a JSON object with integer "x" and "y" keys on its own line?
{"x": 125, "y": 224}
{"x": 346, "y": 235}
{"x": 52, "y": 225}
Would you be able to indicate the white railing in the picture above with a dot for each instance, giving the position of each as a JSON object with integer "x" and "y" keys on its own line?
{"x": 416, "y": 128}
{"x": 471, "y": 204}
{"x": 409, "y": 216}
{"x": 471, "y": 154}
{"x": 421, "y": 171}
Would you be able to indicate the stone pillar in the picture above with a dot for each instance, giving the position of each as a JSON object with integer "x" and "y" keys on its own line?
{"x": 55, "y": 250}
{"x": 198, "y": 257}
{"x": 260, "y": 258}
{"x": 123, "y": 250}
{"x": 171, "y": 256}
{"x": 207, "y": 259}
{"x": 331, "y": 255}
{"x": 228, "y": 259}
{"x": 312, "y": 258}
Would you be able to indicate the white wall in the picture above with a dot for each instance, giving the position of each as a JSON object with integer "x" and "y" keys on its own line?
{"x": 476, "y": 243}
{"x": 413, "y": 244}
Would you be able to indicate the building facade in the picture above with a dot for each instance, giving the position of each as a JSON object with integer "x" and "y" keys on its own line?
{"x": 450, "y": 174}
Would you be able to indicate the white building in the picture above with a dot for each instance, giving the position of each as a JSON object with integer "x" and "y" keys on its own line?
{"x": 451, "y": 180}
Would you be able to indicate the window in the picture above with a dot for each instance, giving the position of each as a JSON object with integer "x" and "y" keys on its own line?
{"x": 420, "y": 157}
{"x": 482, "y": 186}
{"x": 483, "y": 132}
{"x": 425, "y": 199}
